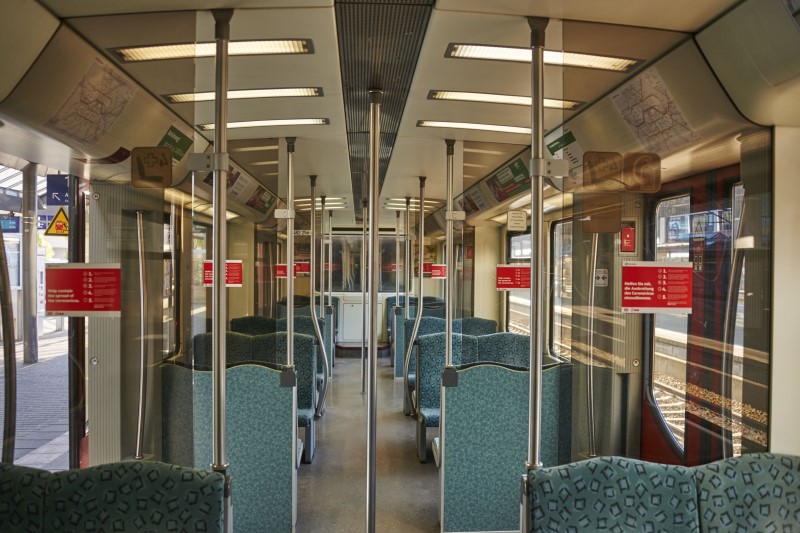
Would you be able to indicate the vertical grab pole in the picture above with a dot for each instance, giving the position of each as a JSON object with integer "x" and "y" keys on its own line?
{"x": 364, "y": 300}
{"x": 409, "y": 341}
{"x": 590, "y": 369}
{"x": 534, "y": 462}
{"x": 321, "y": 260}
{"x": 396, "y": 311}
{"x": 407, "y": 262}
{"x": 222, "y": 31}
{"x": 329, "y": 305}
{"x": 320, "y": 407}
{"x": 9, "y": 360}
{"x": 139, "y": 455}
{"x": 30, "y": 348}
{"x": 374, "y": 276}
{"x": 448, "y": 287}
{"x": 289, "y": 372}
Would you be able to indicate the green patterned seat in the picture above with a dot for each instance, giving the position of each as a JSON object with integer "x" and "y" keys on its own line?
{"x": 505, "y": 348}
{"x": 475, "y": 326}
{"x": 758, "y": 492}
{"x": 22, "y": 498}
{"x": 254, "y": 325}
{"x": 614, "y": 494}
{"x": 238, "y": 348}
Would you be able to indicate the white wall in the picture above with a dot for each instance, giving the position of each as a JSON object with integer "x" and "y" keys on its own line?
{"x": 785, "y": 386}
{"x": 487, "y": 257}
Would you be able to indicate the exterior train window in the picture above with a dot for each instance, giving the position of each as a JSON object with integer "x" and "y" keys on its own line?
{"x": 519, "y": 302}
{"x": 561, "y": 307}
{"x": 671, "y": 330}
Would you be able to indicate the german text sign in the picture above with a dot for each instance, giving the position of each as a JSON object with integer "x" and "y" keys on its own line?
{"x": 439, "y": 271}
{"x": 656, "y": 287}
{"x": 302, "y": 267}
{"x": 513, "y": 277}
{"x": 83, "y": 289}
{"x": 426, "y": 269}
{"x": 233, "y": 273}
{"x": 299, "y": 268}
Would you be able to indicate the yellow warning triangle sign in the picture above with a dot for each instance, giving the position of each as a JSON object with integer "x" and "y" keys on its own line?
{"x": 59, "y": 226}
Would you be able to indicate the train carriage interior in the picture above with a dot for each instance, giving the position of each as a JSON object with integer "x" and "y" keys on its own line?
{"x": 490, "y": 265}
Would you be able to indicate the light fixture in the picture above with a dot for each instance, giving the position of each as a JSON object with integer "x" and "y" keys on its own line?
{"x": 269, "y": 123}
{"x": 245, "y": 93}
{"x": 412, "y": 201}
{"x": 255, "y": 148}
{"x": 327, "y": 207}
{"x": 491, "y": 98}
{"x": 551, "y": 57}
{"x": 472, "y": 126}
{"x": 480, "y": 151}
{"x": 264, "y": 163}
{"x": 475, "y": 165}
{"x": 209, "y": 49}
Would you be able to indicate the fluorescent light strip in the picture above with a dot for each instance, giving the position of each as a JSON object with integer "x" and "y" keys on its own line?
{"x": 413, "y": 201}
{"x": 255, "y": 148}
{"x": 264, "y": 163}
{"x": 245, "y": 93}
{"x": 209, "y": 49}
{"x": 269, "y": 123}
{"x": 327, "y": 207}
{"x": 490, "y": 98}
{"x": 471, "y": 126}
{"x": 487, "y": 152}
{"x": 551, "y": 57}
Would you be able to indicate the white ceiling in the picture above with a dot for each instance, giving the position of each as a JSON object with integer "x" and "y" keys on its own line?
{"x": 626, "y": 29}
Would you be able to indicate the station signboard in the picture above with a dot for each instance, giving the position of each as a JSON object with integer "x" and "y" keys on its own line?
{"x": 233, "y": 273}
{"x": 656, "y": 287}
{"x": 513, "y": 277}
{"x": 83, "y": 289}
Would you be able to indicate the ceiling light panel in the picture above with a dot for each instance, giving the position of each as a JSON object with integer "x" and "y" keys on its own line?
{"x": 246, "y": 93}
{"x": 270, "y": 123}
{"x": 472, "y": 126}
{"x": 209, "y": 49}
{"x": 551, "y": 57}
{"x": 499, "y": 99}
{"x": 255, "y": 148}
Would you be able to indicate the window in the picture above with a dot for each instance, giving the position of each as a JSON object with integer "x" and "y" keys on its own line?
{"x": 519, "y": 302}
{"x": 561, "y": 306}
{"x": 346, "y": 264}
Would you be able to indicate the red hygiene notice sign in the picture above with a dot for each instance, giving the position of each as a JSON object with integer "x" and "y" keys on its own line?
{"x": 513, "y": 277}
{"x": 299, "y": 268}
{"x": 302, "y": 267}
{"x": 426, "y": 269}
{"x": 233, "y": 273}
{"x": 439, "y": 271}
{"x": 83, "y": 289}
{"x": 656, "y": 287}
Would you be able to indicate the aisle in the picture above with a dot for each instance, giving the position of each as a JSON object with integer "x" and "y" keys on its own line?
{"x": 331, "y": 491}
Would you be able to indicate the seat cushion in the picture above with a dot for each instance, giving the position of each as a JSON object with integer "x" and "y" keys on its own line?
{"x": 304, "y": 417}
{"x": 430, "y": 416}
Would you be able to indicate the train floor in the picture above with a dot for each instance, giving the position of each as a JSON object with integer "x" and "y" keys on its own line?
{"x": 332, "y": 490}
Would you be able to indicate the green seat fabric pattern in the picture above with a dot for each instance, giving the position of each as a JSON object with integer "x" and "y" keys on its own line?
{"x": 22, "y": 498}
{"x": 505, "y": 348}
{"x": 253, "y": 325}
{"x": 758, "y": 492}
{"x": 238, "y": 348}
{"x": 430, "y": 364}
{"x": 484, "y": 447}
{"x": 134, "y": 496}
{"x": 614, "y": 494}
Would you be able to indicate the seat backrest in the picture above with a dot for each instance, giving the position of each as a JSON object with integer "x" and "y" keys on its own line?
{"x": 614, "y": 493}
{"x": 305, "y": 362}
{"x": 475, "y": 326}
{"x": 22, "y": 497}
{"x": 134, "y": 496}
{"x": 261, "y": 431}
{"x": 505, "y": 348}
{"x": 484, "y": 427}
{"x": 430, "y": 363}
{"x": 754, "y": 492}
{"x": 254, "y": 325}
{"x": 305, "y": 325}
{"x": 239, "y": 348}
{"x": 427, "y": 325}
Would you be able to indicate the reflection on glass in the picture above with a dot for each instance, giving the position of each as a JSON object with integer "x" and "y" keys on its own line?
{"x": 346, "y": 264}
{"x": 561, "y": 339}
{"x": 519, "y": 302}
{"x": 671, "y": 330}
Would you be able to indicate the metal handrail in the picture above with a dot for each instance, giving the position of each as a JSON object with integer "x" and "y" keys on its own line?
{"x": 420, "y": 259}
{"x": 9, "y": 360}
{"x": 142, "y": 337}
{"x": 320, "y": 407}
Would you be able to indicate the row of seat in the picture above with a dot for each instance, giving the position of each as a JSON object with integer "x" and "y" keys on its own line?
{"x": 262, "y": 414}
{"x": 483, "y": 418}
{"x": 122, "y": 496}
{"x": 432, "y": 306}
{"x": 754, "y": 492}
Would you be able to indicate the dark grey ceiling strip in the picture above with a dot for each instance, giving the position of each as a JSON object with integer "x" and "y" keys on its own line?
{"x": 379, "y": 44}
